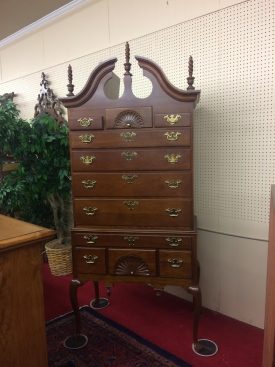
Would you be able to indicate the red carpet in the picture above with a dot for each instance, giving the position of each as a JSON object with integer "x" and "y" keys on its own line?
{"x": 165, "y": 321}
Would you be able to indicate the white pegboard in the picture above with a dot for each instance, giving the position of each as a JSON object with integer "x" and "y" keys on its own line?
{"x": 233, "y": 52}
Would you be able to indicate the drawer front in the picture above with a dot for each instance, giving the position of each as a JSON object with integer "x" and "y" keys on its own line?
{"x": 159, "y": 184}
{"x": 132, "y": 262}
{"x": 171, "y": 159}
{"x": 130, "y": 138}
{"x": 85, "y": 119}
{"x": 90, "y": 261}
{"x": 175, "y": 264}
{"x": 136, "y": 117}
{"x": 173, "y": 120}
{"x": 134, "y": 212}
{"x": 131, "y": 240}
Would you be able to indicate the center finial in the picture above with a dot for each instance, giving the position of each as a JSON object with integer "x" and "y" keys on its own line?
{"x": 127, "y": 64}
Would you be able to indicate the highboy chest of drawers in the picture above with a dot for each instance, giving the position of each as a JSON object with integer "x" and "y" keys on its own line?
{"x": 132, "y": 183}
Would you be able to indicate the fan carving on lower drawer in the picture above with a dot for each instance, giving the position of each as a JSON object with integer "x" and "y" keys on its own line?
{"x": 131, "y": 265}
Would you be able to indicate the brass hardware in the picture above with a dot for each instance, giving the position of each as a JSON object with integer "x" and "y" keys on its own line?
{"x": 88, "y": 184}
{"x": 173, "y": 184}
{"x": 129, "y": 155}
{"x": 85, "y": 122}
{"x": 128, "y": 136}
{"x": 129, "y": 178}
{"x": 131, "y": 240}
{"x": 172, "y": 135}
{"x": 172, "y": 158}
{"x": 86, "y": 138}
{"x": 90, "y": 239}
{"x": 172, "y": 119}
{"x": 131, "y": 204}
{"x": 88, "y": 159}
{"x": 174, "y": 241}
{"x": 173, "y": 212}
{"x": 90, "y": 259}
{"x": 89, "y": 210}
{"x": 175, "y": 262}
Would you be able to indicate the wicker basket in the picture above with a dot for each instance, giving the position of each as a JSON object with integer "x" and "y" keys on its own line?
{"x": 59, "y": 258}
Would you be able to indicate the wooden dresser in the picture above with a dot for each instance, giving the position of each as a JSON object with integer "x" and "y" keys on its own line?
{"x": 132, "y": 179}
{"x": 22, "y": 320}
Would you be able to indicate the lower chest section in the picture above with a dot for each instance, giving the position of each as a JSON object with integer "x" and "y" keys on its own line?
{"x": 134, "y": 255}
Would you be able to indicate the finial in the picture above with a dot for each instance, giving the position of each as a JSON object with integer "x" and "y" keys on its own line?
{"x": 70, "y": 86}
{"x": 190, "y": 79}
{"x": 127, "y": 65}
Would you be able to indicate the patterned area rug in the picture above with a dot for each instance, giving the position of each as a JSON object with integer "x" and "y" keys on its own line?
{"x": 109, "y": 345}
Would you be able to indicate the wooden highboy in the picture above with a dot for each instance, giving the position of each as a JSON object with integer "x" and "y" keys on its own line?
{"x": 132, "y": 183}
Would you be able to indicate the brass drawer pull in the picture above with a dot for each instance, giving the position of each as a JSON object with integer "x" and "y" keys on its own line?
{"x": 175, "y": 262}
{"x": 128, "y": 136}
{"x": 129, "y": 178}
{"x": 174, "y": 241}
{"x": 85, "y": 122}
{"x": 90, "y": 259}
{"x": 88, "y": 210}
{"x": 87, "y": 138}
{"x": 172, "y": 158}
{"x": 88, "y": 159}
{"x": 88, "y": 184}
{"x": 131, "y": 204}
{"x": 172, "y": 135}
{"x": 129, "y": 155}
{"x": 90, "y": 239}
{"x": 173, "y": 212}
{"x": 131, "y": 240}
{"x": 173, "y": 184}
{"x": 172, "y": 119}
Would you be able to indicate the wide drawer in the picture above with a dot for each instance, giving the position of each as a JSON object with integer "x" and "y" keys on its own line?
{"x": 173, "y": 119}
{"x": 132, "y": 262}
{"x": 134, "y": 212}
{"x": 133, "y": 184}
{"x": 90, "y": 261}
{"x": 175, "y": 264}
{"x": 131, "y": 240}
{"x": 130, "y": 138}
{"x": 132, "y": 159}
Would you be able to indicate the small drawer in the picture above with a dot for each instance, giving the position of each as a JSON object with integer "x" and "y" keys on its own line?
{"x": 173, "y": 120}
{"x": 126, "y": 262}
{"x": 85, "y": 119}
{"x": 89, "y": 261}
{"x": 128, "y": 118}
{"x": 175, "y": 264}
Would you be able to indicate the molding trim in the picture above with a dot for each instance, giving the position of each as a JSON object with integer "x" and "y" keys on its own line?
{"x": 46, "y": 20}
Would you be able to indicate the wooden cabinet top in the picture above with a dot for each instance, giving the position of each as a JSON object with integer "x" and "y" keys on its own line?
{"x": 15, "y": 233}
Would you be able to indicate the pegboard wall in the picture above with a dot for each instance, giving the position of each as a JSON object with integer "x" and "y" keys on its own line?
{"x": 233, "y": 52}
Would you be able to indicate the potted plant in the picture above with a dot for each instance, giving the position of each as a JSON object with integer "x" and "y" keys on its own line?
{"x": 40, "y": 189}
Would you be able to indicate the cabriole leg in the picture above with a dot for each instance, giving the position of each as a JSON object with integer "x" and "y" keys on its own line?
{"x": 97, "y": 302}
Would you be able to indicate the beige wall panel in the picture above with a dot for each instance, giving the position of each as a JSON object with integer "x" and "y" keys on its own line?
{"x": 22, "y": 57}
{"x": 78, "y": 34}
{"x": 143, "y": 16}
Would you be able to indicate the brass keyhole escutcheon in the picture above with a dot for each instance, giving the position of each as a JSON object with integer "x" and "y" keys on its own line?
{"x": 131, "y": 204}
{"x": 128, "y": 136}
{"x": 129, "y": 155}
{"x": 131, "y": 240}
{"x": 129, "y": 178}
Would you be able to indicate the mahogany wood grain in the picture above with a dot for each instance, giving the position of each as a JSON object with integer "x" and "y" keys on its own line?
{"x": 22, "y": 330}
